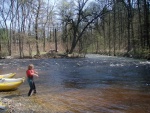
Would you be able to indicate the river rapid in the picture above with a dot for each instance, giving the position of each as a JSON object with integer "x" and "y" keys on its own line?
{"x": 95, "y": 84}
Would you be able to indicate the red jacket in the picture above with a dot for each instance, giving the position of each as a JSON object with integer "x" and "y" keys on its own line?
{"x": 30, "y": 73}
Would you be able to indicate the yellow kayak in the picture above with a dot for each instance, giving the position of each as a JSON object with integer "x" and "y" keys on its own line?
{"x": 6, "y": 85}
{"x": 2, "y": 106}
{"x": 7, "y": 80}
{"x": 9, "y": 75}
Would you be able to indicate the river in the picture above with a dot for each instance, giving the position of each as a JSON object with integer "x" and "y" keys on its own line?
{"x": 95, "y": 84}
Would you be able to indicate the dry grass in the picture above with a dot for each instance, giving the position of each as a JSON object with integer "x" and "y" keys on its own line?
{"x": 49, "y": 46}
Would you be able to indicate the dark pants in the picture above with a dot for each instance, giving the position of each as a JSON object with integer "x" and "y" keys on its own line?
{"x": 32, "y": 86}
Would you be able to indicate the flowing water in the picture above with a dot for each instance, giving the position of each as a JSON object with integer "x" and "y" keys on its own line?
{"x": 95, "y": 84}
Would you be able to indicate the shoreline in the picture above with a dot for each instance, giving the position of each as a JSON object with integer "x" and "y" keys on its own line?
{"x": 54, "y": 55}
{"x": 48, "y": 55}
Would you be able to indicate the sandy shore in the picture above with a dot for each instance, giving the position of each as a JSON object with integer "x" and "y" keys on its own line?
{"x": 20, "y": 103}
{"x": 11, "y": 106}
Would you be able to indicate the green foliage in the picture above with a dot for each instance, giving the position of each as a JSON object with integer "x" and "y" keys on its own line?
{"x": 3, "y": 35}
{"x": 141, "y": 53}
{"x": 144, "y": 54}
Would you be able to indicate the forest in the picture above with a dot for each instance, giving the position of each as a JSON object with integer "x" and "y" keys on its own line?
{"x": 106, "y": 27}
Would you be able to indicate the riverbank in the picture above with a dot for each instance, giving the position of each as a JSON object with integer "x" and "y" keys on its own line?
{"x": 11, "y": 106}
{"x": 48, "y": 55}
{"x": 19, "y": 103}
{"x": 53, "y": 54}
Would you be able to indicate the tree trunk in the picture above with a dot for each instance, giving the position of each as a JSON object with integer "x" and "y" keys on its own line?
{"x": 36, "y": 28}
{"x": 109, "y": 39}
{"x": 44, "y": 40}
{"x": 146, "y": 24}
{"x": 37, "y": 44}
{"x": 129, "y": 26}
{"x": 140, "y": 25}
{"x": 114, "y": 28}
{"x": 10, "y": 40}
{"x": 104, "y": 34}
{"x": 73, "y": 45}
{"x": 55, "y": 41}
{"x": 36, "y": 37}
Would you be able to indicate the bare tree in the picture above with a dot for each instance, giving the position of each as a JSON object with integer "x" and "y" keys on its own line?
{"x": 84, "y": 17}
{"x": 5, "y": 11}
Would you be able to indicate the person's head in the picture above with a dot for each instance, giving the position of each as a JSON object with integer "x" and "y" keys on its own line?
{"x": 31, "y": 66}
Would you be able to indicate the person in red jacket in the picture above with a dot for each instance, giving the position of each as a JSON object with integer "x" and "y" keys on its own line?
{"x": 30, "y": 74}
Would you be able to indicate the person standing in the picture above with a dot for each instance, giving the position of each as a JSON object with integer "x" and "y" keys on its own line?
{"x": 30, "y": 74}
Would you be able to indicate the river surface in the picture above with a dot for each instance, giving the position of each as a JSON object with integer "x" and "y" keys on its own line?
{"x": 95, "y": 84}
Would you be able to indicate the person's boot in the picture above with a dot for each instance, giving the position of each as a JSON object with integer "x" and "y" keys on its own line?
{"x": 34, "y": 91}
{"x": 30, "y": 91}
